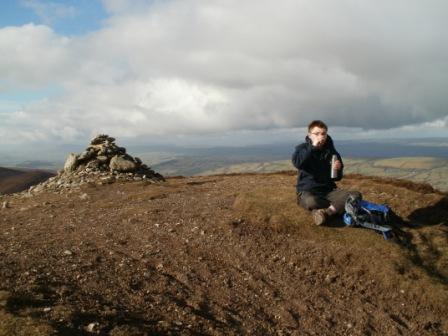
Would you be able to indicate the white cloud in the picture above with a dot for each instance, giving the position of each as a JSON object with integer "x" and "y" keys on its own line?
{"x": 185, "y": 67}
{"x": 34, "y": 56}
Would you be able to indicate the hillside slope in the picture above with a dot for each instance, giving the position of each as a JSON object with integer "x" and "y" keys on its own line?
{"x": 220, "y": 255}
{"x": 15, "y": 180}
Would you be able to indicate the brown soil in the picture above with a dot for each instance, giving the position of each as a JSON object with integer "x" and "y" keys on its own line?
{"x": 220, "y": 255}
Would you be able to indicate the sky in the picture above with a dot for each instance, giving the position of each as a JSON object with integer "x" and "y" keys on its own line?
{"x": 221, "y": 72}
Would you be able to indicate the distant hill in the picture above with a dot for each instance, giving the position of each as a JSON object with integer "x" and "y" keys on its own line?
{"x": 53, "y": 157}
{"x": 39, "y": 164}
{"x": 15, "y": 180}
{"x": 431, "y": 170}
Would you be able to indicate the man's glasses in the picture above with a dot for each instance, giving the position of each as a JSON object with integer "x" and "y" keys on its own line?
{"x": 317, "y": 134}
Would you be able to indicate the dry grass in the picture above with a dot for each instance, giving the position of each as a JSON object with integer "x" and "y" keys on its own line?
{"x": 422, "y": 253}
{"x": 11, "y": 325}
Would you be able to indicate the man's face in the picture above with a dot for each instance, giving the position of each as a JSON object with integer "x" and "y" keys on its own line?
{"x": 318, "y": 136}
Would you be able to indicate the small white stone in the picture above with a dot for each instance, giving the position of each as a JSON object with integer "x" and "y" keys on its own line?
{"x": 84, "y": 197}
{"x": 68, "y": 252}
{"x": 91, "y": 327}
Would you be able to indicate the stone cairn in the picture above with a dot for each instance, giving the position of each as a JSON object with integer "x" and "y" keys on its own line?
{"x": 102, "y": 162}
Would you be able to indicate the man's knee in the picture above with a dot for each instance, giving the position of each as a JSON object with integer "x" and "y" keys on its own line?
{"x": 310, "y": 201}
{"x": 338, "y": 198}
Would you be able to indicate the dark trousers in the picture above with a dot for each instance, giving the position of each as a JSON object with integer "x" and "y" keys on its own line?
{"x": 337, "y": 198}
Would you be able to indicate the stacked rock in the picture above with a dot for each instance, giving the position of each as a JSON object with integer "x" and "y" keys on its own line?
{"x": 100, "y": 163}
{"x": 104, "y": 155}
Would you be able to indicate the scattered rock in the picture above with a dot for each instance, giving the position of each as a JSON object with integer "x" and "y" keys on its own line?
{"x": 68, "y": 253}
{"x": 92, "y": 327}
{"x": 5, "y": 205}
{"x": 330, "y": 278}
{"x": 84, "y": 197}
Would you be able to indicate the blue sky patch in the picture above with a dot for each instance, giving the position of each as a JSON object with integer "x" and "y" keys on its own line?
{"x": 67, "y": 17}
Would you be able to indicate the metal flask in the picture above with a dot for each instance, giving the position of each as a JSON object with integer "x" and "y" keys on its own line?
{"x": 334, "y": 171}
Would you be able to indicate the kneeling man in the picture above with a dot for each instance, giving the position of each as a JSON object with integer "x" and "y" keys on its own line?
{"x": 316, "y": 189}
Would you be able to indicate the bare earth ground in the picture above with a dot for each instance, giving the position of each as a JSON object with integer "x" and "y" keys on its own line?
{"x": 220, "y": 255}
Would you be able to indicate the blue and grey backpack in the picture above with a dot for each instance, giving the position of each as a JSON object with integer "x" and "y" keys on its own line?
{"x": 359, "y": 212}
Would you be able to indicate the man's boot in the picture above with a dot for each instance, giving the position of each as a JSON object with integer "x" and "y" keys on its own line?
{"x": 320, "y": 216}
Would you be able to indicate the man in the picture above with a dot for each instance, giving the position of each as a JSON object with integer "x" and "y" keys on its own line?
{"x": 316, "y": 190}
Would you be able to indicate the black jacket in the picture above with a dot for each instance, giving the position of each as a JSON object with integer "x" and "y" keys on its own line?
{"x": 314, "y": 167}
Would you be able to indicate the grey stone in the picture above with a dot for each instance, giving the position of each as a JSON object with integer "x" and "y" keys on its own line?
{"x": 92, "y": 327}
{"x": 107, "y": 179}
{"x": 101, "y": 138}
{"x": 94, "y": 164}
{"x": 81, "y": 168}
{"x": 86, "y": 155}
{"x": 122, "y": 164}
{"x": 71, "y": 163}
{"x": 84, "y": 197}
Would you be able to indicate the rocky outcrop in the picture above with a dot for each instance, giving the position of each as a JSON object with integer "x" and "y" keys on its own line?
{"x": 101, "y": 162}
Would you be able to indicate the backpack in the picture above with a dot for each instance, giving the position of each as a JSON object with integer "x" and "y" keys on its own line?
{"x": 359, "y": 212}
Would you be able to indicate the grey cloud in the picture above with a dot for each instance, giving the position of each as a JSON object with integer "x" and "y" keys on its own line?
{"x": 185, "y": 67}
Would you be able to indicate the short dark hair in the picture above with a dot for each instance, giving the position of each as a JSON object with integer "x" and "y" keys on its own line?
{"x": 317, "y": 123}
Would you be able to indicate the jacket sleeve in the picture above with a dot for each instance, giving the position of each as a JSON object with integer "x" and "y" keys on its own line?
{"x": 301, "y": 154}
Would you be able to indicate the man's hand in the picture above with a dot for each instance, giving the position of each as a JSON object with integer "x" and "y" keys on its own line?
{"x": 317, "y": 141}
{"x": 337, "y": 165}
